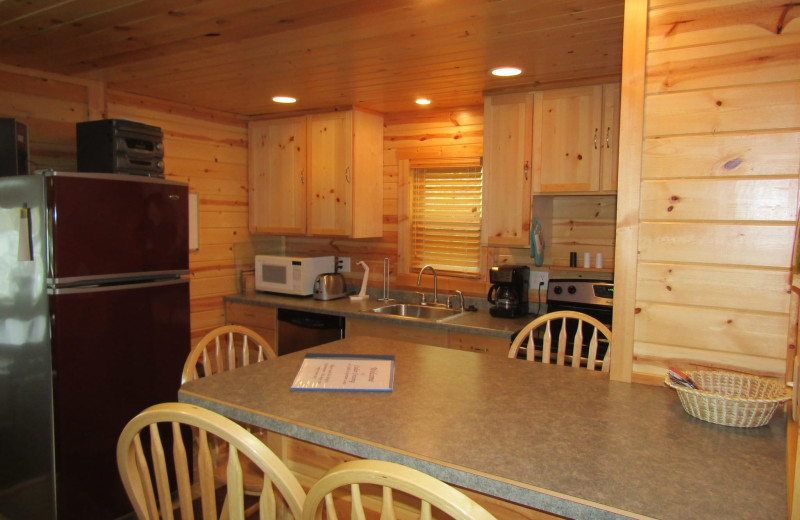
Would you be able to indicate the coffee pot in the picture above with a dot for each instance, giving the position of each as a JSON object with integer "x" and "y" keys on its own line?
{"x": 504, "y": 296}
{"x": 509, "y": 292}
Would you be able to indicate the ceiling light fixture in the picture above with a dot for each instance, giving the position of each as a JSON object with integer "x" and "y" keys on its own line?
{"x": 506, "y": 71}
{"x": 284, "y": 99}
{"x": 423, "y": 101}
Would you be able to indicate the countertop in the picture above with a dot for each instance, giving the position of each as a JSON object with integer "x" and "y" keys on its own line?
{"x": 479, "y": 322}
{"x": 565, "y": 441}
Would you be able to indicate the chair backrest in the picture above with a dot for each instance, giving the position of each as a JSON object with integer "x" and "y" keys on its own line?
{"x": 379, "y": 485}
{"x": 569, "y": 322}
{"x": 140, "y": 467}
{"x": 226, "y": 348}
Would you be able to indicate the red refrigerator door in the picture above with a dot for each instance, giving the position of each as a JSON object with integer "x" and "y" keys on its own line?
{"x": 116, "y": 351}
{"x": 116, "y": 226}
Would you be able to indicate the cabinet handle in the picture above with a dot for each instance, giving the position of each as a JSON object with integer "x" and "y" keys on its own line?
{"x": 302, "y": 176}
{"x": 608, "y": 137}
{"x": 595, "y": 138}
{"x": 526, "y": 170}
{"x": 347, "y": 174}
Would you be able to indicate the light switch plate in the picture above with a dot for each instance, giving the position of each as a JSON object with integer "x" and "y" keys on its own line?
{"x": 538, "y": 277}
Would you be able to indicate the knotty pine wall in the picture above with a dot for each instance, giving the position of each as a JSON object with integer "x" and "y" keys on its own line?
{"x": 582, "y": 223}
{"x": 207, "y": 150}
{"x": 431, "y": 133}
{"x": 719, "y": 191}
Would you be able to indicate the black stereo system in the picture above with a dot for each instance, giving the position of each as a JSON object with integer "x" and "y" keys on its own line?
{"x": 13, "y": 147}
{"x": 120, "y": 146}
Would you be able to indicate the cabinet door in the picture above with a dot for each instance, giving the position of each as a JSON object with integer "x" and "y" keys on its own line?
{"x": 568, "y": 135}
{"x": 507, "y": 170}
{"x": 260, "y": 319}
{"x": 330, "y": 160}
{"x": 378, "y": 329}
{"x": 610, "y": 155}
{"x": 277, "y": 175}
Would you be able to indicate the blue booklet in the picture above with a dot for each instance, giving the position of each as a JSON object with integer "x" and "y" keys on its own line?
{"x": 345, "y": 373}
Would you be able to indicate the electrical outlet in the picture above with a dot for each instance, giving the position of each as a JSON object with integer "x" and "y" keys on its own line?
{"x": 343, "y": 264}
{"x": 537, "y": 278}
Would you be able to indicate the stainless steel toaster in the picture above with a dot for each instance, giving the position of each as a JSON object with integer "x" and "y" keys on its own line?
{"x": 329, "y": 286}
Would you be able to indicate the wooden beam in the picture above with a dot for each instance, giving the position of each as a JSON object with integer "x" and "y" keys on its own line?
{"x": 634, "y": 58}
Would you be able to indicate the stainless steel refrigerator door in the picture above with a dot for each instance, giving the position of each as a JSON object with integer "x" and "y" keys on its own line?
{"x": 105, "y": 226}
{"x": 26, "y": 453}
{"x": 116, "y": 350}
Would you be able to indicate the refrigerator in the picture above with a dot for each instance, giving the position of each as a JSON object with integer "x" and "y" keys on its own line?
{"x": 94, "y": 327}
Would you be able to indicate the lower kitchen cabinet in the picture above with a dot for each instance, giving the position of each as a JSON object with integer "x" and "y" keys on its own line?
{"x": 440, "y": 338}
{"x": 256, "y": 317}
{"x": 427, "y": 336}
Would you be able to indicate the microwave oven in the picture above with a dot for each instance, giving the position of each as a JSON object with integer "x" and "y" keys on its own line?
{"x": 290, "y": 275}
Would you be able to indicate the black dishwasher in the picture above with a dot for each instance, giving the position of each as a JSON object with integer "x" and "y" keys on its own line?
{"x": 298, "y": 330}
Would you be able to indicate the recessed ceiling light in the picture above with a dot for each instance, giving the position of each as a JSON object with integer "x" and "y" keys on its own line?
{"x": 506, "y": 71}
{"x": 284, "y": 99}
{"x": 423, "y": 101}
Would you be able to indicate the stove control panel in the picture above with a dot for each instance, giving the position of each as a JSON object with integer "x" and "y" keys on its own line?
{"x": 589, "y": 292}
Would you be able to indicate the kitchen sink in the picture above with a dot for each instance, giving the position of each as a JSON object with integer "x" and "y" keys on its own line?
{"x": 420, "y": 312}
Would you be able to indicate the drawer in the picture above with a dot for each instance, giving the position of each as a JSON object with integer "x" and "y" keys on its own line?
{"x": 478, "y": 343}
{"x": 260, "y": 319}
{"x": 255, "y": 315}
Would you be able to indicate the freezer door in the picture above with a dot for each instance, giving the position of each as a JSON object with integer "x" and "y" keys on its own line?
{"x": 116, "y": 351}
{"x": 115, "y": 226}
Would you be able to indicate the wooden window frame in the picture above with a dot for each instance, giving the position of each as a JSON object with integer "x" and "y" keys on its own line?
{"x": 406, "y": 161}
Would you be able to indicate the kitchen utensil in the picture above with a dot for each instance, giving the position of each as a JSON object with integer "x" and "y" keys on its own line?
{"x": 362, "y": 294}
{"x": 329, "y": 286}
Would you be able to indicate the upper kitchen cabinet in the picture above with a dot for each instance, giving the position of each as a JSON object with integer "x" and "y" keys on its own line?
{"x": 575, "y": 139}
{"x": 345, "y": 158}
{"x": 507, "y": 169}
{"x": 322, "y": 178}
{"x": 278, "y": 176}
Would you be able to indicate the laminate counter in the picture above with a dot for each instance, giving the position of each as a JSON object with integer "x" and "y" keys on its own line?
{"x": 557, "y": 439}
{"x": 478, "y": 322}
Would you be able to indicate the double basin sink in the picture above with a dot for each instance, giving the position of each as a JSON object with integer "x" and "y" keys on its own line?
{"x": 417, "y": 312}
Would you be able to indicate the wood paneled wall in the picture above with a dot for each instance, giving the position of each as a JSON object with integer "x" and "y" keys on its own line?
{"x": 429, "y": 133}
{"x": 206, "y": 149}
{"x": 719, "y": 191}
{"x": 50, "y": 105}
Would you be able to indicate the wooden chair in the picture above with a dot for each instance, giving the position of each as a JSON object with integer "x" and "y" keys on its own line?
{"x": 222, "y": 349}
{"x": 226, "y": 348}
{"x": 144, "y": 470}
{"x": 388, "y": 488}
{"x": 598, "y": 330}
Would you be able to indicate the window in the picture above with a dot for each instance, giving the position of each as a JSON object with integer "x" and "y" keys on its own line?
{"x": 445, "y": 217}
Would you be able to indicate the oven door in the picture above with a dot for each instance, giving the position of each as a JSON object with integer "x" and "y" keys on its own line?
{"x": 601, "y": 313}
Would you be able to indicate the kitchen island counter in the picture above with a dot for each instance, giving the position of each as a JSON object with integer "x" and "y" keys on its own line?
{"x": 556, "y": 439}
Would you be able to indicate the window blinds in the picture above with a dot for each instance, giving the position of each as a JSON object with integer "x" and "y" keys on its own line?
{"x": 446, "y": 219}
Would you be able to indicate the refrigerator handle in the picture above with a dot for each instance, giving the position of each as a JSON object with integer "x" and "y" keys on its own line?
{"x": 104, "y": 287}
{"x": 25, "y": 245}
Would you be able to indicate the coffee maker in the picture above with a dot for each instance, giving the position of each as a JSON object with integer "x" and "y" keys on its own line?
{"x": 509, "y": 292}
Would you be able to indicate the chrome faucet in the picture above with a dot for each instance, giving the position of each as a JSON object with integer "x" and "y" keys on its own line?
{"x": 435, "y": 290}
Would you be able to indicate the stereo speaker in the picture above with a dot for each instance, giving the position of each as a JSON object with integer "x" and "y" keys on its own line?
{"x": 13, "y": 147}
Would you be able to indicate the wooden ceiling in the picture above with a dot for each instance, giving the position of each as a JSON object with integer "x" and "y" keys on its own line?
{"x": 235, "y": 55}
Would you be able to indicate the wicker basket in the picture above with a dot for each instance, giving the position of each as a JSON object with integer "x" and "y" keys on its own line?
{"x": 731, "y": 399}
